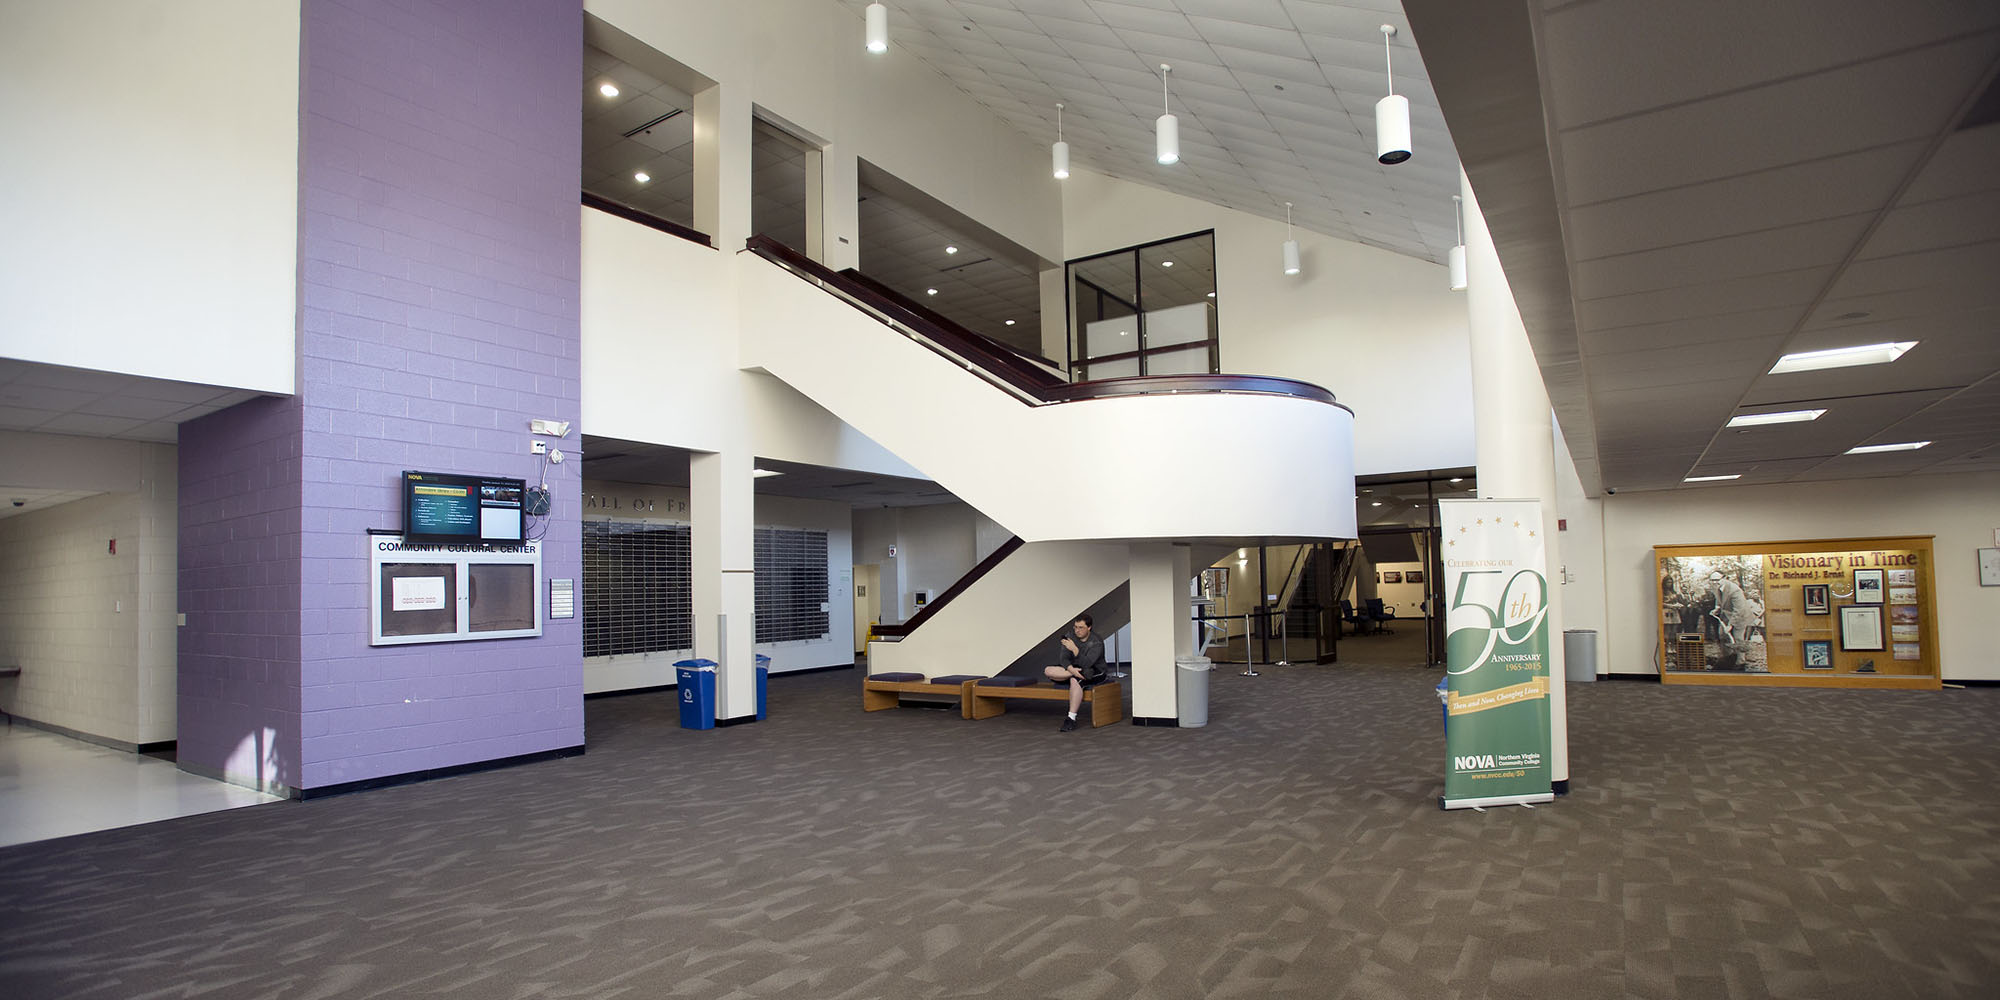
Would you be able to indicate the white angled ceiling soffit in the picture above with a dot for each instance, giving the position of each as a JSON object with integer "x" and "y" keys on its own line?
{"x": 1721, "y": 184}
{"x": 1276, "y": 101}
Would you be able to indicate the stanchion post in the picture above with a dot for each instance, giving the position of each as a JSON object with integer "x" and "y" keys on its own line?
{"x": 1249, "y": 651}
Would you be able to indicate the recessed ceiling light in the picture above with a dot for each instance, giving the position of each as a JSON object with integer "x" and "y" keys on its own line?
{"x": 609, "y": 90}
{"x": 1010, "y": 322}
{"x": 1782, "y": 417}
{"x": 950, "y": 249}
{"x": 1211, "y": 295}
{"x": 930, "y": 291}
{"x": 1458, "y": 479}
{"x": 761, "y": 473}
{"x": 1842, "y": 357}
{"x": 1166, "y": 263}
{"x": 1870, "y": 449}
{"x": 1377, "y": 503}
{"x": 642, "y": 177}
{"x": 1711, "y": 479}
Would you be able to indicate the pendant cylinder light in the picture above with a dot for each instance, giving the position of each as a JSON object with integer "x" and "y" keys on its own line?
{"x": 1392, "y": 113}
{"x": 1167, "y": 130}
{"x": 878, "y": 28}
{"x": 1060, "y": 151}
{"x": 1291, "y": 248}
{"x": 1455, "y": 260}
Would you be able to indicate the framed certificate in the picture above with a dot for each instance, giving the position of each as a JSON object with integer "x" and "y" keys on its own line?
{"x": 1861, "y": 627}
{"x": 1868, "y": 586}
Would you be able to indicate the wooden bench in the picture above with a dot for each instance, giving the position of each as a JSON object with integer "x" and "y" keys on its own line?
{"x": 1106, "y": 700}
{"x": 878, "y": 695}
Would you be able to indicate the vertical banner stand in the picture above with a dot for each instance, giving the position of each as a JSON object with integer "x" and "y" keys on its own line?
{"x": 1496, "y": 691}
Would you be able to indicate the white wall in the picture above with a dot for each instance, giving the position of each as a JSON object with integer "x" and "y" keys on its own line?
{"x": 1960, "y": 510}
{"x": 1382, "y": 330}
{"x": 935, "y": 546}
{"x": 891, "y": 110}
{"x": 154, "y": 232}
{"x": 93, "y": 631}
{"x": 637, "y": 501}
{"x": 1406, "y": 598}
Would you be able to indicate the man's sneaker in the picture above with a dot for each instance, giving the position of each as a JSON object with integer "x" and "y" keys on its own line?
{"x": 1069, "y": 725}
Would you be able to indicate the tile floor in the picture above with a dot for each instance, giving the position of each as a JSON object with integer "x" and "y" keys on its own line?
{"x": 55, "y": 786}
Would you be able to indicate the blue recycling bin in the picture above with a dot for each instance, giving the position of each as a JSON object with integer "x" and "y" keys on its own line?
{"x": 763, "y": 683}
{"x": 696, "y": 679}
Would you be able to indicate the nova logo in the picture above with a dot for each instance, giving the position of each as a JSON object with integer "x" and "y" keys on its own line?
{"x": 1471, "y": 763}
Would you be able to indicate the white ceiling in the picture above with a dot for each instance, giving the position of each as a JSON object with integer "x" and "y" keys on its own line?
{"x": 1683, "y": 193}
{"x": 1276, "y": 100}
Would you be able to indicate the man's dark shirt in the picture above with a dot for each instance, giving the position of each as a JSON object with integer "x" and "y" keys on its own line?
{"x": 1089, "y": 657}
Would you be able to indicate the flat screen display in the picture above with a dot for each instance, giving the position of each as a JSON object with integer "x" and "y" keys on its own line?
{"x": 443, "y": 509}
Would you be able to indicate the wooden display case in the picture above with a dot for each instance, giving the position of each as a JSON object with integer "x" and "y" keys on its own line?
{"x": 1830, "y": 612}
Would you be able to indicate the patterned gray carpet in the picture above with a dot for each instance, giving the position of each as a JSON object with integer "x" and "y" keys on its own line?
{"x": 1717, "y": 844}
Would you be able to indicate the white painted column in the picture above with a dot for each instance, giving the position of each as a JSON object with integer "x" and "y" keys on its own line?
{"x": 1514, "y": 432}
{"x": 722, "y": 171}
{"x": 1183, "y": 604}
{"x": 1156, "y": 620}
{"x": 722, "y": 558}
{"x": 833, "y": 214}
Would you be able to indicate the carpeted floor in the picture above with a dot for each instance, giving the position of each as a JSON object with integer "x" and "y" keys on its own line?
{"x": 1717, "y": 843}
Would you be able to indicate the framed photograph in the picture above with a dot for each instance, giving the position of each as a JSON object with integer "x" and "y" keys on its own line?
{"x": 1817, "y": 602}
{"x": 1414, "y": 576}
{"x": 1818, "y": 654}
{"x": 1392, "y": 576}
{"x": 1868, "y": 586}
{"x": 1861, "y": 627}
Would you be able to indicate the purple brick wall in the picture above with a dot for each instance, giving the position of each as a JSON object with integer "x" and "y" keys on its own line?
{"x": 238, "y": 694}
{"x": 439, "y": 259}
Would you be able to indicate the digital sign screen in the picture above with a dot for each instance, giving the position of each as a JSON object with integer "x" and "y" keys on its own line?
{"x": 442, "y": 509}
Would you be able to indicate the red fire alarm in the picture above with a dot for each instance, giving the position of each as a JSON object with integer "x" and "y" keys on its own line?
{"x": 114, "y": 546}
{"x": 1562, "y": 524}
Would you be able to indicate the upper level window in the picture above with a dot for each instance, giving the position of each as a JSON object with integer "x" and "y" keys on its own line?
{"x": 1145, "y": 310}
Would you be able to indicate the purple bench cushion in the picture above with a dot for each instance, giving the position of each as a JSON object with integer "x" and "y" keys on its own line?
{"x": 1010, "y": 682}
{"x": 896, "y": 675}
{"x": 956, "y": 678}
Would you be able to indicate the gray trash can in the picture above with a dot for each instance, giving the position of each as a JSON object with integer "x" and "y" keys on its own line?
{"x": 1191, "y": 673}
{"x": 1580, "y": 655}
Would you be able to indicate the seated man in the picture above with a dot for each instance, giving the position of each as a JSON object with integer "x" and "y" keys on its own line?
{"x": 1082, "y": 666}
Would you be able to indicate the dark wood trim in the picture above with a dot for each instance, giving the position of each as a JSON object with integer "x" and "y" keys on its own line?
{"x": 939, "y": 319}
{"x": 630, "y": 214}
{"x": 949, "y": 340}
{"x": 1035, "y": 386}
{"x": 1136, "y": 247}
{"x": 986, "y": 565}
{"x": 1141, "y": 385}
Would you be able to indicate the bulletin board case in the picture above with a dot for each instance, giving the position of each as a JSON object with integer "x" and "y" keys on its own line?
{"x": 452, "y": 593}
{"x": 1827, "y": 612}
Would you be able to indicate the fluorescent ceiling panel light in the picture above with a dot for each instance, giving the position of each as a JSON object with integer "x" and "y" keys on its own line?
{"x": 1870, "y": 449}
{"x": 1712, "y": 479}
{"x": 1842, "y": 357}
{"x": 1783, "y": 417}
